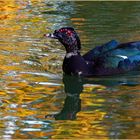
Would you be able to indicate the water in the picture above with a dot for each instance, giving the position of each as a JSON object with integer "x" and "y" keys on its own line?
{"x": 36, "y": 100}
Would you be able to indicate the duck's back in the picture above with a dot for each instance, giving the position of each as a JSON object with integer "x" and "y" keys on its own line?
{"x": 113, "y": 57}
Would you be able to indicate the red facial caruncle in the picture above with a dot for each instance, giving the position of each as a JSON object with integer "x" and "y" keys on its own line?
{"x": 68, "y": 32}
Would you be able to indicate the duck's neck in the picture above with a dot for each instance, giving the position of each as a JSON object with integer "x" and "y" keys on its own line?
{"x": 74, "y": 64}
{"x": 72, "y": 48}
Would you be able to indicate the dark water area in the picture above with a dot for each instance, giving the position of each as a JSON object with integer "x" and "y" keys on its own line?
{"x": 36, "y": 100}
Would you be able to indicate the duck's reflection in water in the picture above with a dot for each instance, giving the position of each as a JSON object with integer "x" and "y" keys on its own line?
{"x": 73, "y": 86}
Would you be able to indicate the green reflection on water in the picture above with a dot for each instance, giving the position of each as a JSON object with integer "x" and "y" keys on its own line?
{"x": 31, "y": 79}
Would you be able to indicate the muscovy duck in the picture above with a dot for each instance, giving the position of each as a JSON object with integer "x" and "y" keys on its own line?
{"x": 108, "y": 59}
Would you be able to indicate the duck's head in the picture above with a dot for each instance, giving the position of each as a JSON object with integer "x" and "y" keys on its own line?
{"x": 68, "y": 37}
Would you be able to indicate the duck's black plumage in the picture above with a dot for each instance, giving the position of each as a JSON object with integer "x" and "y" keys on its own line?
{"x": 108, "y": 59}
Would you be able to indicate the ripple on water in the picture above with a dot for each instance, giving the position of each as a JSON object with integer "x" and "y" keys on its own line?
{"x": 31, "y": 82}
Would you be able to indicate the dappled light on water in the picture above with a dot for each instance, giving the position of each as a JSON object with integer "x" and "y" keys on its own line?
{"x": 37, "y": 100}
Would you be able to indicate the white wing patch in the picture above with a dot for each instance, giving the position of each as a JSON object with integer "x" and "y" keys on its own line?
{"x": 80, "y": 72}
{"x": 122, "y": 56}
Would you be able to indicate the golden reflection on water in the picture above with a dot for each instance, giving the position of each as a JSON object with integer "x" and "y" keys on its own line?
{"x": 31, "y": 84}
{"x": 87, "y": 125}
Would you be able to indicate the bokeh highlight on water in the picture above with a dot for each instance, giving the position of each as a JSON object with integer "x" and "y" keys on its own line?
{"x": 37, "y": 100}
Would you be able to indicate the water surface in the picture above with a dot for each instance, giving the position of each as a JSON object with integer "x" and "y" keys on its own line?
{"x": 37, "y": 100}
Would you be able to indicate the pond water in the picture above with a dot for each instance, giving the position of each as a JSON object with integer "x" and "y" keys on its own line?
{"x": 37, "y": 100}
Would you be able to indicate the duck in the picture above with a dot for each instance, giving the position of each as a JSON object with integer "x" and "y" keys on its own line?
{"x": 110, "y": 58}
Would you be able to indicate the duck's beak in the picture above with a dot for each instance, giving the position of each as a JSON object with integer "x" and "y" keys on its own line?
{"x": 50, "y": 36}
